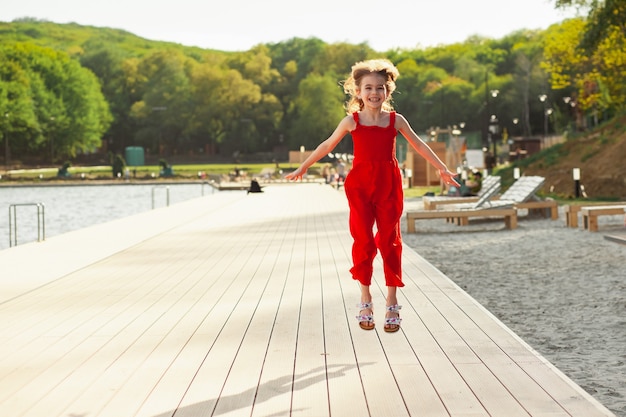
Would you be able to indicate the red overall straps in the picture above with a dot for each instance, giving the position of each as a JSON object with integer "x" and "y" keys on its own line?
{"x": 374, "y": 191}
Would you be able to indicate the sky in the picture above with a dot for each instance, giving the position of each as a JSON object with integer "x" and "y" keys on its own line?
{"x": 238, "y": 25}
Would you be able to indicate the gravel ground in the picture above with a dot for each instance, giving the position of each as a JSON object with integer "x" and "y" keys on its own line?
{"x": 562, "y": 290}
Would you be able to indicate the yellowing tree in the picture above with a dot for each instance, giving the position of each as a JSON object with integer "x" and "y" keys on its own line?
{"x": 596, "y": 78}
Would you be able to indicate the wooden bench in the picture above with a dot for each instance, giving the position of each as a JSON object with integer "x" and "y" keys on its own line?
{"x": 572, "y": 210}
{"x": 541, "y": 206}
{"x": 461, "y": 217}
{"x": 590, "y": 215}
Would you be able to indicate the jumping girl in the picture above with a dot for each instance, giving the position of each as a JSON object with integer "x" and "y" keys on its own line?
{"x": 374, "y": 184}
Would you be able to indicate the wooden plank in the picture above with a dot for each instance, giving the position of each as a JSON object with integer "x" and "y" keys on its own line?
{"x": 163, "y": 333}
{"x": 69, "y": 335}
{"x": 542, "y": 205}
{"x": 249, "y": 363}
{"x": 436, "y": 346}
{"x": 509, "y": 215}
{"x": 590, "y": 215}
{"x": 249, "y": 309}
{"x": 216, "y": 388}
{"x": 490, "y": 391}
{"x": 345, "y": 390}
{"x": 310, "y": 395}
{"x": 572, "y": 210}
{"x": 532, "y": 380}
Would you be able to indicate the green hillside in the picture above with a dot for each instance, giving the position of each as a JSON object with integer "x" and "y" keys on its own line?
{"x": 74, "y": 38}
{"x": 600, "y": 155}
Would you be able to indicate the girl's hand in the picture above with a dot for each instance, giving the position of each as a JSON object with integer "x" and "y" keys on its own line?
{"x": 295, "y": 175}
{"x": 448, "y": 177}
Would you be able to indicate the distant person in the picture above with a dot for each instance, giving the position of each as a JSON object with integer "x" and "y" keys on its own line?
{"x": 374, "y": 185}
{"x": 326, "y": 173}
{"x": 455, "y": 190}
{"x": 473, "y": 184}
{"x": 255, "y": 187}
{"x": 490, "y": 161}
{"x": 341, "y": 172}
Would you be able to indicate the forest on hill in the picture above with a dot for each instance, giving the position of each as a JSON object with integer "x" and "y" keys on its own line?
{"x": 67, "y": 91}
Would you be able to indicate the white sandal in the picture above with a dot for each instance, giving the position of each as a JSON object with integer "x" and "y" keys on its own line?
{"x": 392, "y": 324}
{"x": 366, "y": 321}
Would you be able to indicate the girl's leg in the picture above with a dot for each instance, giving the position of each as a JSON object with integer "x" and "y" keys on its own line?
{"x": 389, "y": 241}
{"x": 363, "y": 246}
{"x": 392, "y": 318}
{"x": 388, "y": 211}
{"x": 366, "y": 311}
{"x": 366, "y": 295}
{"x": 392, "y": 297}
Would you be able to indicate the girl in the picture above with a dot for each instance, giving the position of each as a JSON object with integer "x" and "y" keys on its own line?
{"x": 374, "y": 185}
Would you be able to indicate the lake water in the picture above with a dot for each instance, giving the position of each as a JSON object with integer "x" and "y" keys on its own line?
{"x": 72, "y": 207}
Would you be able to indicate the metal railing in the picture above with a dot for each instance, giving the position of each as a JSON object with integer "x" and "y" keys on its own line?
{"x": 41, "y": 222}
{"x": 167, "y": 192}
{"x": 211, "y": 187}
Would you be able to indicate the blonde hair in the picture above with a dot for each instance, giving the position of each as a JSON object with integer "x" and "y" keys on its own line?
{"x": 383, "y": 67}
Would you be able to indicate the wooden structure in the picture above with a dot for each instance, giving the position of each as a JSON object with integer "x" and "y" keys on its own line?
{"x": 573, "y": 210}
{"x": 432, "y": 202}
{"x": 242, "y": 304}
{"x": 425, "y": 174}
{"x": 519, "y": 196}
{"x": 590, "y": 215}
{"x": 461, "y": 217}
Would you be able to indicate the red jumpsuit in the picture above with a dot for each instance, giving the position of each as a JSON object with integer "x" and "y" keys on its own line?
{"x": 374, "y": 191}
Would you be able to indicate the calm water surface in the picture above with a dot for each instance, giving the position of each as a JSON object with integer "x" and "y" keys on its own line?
{"x": 73, "y": 207}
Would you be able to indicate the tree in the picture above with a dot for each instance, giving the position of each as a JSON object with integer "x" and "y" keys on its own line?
{"x": 528, "y": 55}
{"x": 606, "y": 19}
{"x": 164, "y": 110}
{"x": 207, "y": 126}
{"x": 17, "y": 112}
{"x": 109, "y": 63}
{"x": 316, "y": 111}
{"x": 595, "y": 81}
{"x": 59, "y": 107}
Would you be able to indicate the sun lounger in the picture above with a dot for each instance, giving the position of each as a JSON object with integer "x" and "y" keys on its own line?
{"x": 432, "y": 202}
{"x": 460, "y": 214}
{"x": 522, "y": 194}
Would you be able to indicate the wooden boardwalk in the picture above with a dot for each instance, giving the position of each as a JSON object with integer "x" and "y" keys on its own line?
{"x": 242, "y": 305}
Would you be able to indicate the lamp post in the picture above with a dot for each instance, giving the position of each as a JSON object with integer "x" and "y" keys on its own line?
{"x": 546, "y": 113}
{"x": 547, "y": 116}
{"x": 493, "y": 128}
{"x": 515, "y": 123}
{"x": 576, "y": 176}
{"x": 570, "y": 103}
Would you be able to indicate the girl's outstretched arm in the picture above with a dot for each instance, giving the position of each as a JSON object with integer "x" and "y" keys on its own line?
{"x": 346, "y": 125}
{"x": 403, "y": 126}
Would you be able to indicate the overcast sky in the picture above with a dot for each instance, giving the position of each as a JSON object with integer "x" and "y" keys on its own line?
{"x": 238, "y": 25}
